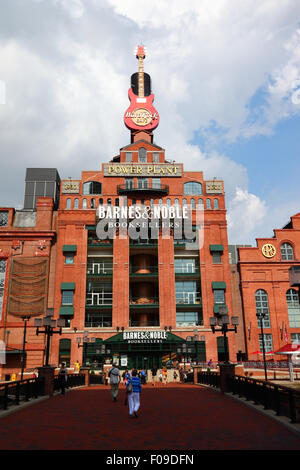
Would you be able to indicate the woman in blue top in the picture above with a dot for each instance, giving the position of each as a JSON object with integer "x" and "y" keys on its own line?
{"x": 134, "y": 382}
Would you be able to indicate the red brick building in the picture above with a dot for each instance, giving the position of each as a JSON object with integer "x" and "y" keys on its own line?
{"x": 266, "y": 289}
{"x": 140, "y": 302}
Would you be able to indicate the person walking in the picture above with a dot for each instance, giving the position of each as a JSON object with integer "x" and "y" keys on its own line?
{"x": 63, "y": 377}
{"x": 133, "y": 390}
{"x": 114, "y": 376}
{"x": 154, "y": 372}
{"x": 165, "y": 375}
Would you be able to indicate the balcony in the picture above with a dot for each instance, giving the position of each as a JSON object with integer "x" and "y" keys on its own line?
{"x": 99, "y": 299}
{"x": 96, "y": 243}
{"x": 99, "y": 269}
{"x": 187, "y": 270}
{"x": 143, "y": 302}
{"x": 145, "y": 323}
{"x": 145, "y": 271}
{"x": 188, "y": 298}
{"x": 143, "y": 187}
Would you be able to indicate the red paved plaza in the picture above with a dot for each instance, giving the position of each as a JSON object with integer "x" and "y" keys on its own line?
{"x": 183, "y": 417}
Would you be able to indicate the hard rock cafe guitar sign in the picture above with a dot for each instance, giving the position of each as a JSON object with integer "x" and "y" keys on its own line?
{"x": 141, "y": 114}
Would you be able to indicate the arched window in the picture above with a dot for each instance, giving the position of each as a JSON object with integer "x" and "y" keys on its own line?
{"x": 184, "y": 202}
{"x": 109, "y": 202}
{"x": 193, "y": 203}
{"x": 262, "y": 308}
{"x": 68, "y": 206}
{"x": 84, "y": 203}
{"x": 286, "y": 252}
{"x": 93, "y": 203}
{"x": 117, "y": 202}
{"x": 176, "y": 202}
{"x": 292, "y": 300}
{"x": 168, "y": 202}
{"x": 142, "y": 155}
{"x": 92, "y": 187}
{"x": 192, "y": 188}
{"x": 208, "y": 204}
{"x": 216, "y": 203}
{"x": 160, "y": 202}
{"x": 201, "y": 205}
{"x": 76, "y": 203}
{"x": 101, "y": 202}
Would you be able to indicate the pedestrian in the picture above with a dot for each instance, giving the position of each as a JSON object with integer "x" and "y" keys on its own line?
{"x": 165, "y": 375}
{"x": 160, "y": 376}
{"x": 133, "y": 390}
{"x": 154, "y": 372}
{"x": 175, "y": 375}
{"x": 77, "y": 367}
{"x": 143, "y": 377}
{"x": 209, "y": 364}
{"x": 63, "y": 377}
{"x": 181, "y": 374}
{"x": 13, "y": 377}
{"x": 114, "y": 376}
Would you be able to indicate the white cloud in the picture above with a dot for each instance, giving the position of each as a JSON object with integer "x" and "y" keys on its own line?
{"x": 66, "y": 65}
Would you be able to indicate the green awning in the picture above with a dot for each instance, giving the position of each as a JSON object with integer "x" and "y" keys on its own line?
{"x": 217, "y": 308}
{"x": 67, "y": 286}
{"x": 69, "y": 248}
{"x": 66, "y": 311}
{"x": 216, "y": 248}
{"x": 218, "y": 285}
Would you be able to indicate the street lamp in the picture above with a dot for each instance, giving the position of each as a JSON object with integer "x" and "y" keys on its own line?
{"x": 49, "y": 330}
{"x": 223, "y": 321}
{"x": 25, "y": 319}
{"x": 85, "y": 341}
{"x": 260, "y": 317}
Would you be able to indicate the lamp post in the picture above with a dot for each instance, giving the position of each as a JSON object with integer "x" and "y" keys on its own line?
{"x": 223, "y": 321}
{"x": 25, "y": 319}
{"x": 49, "y": 330}
{"x": 260, "y": 317}
{"x": 85, "y": 340}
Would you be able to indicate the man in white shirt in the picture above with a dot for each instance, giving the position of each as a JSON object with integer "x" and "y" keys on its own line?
{"x": 114, "y": 376}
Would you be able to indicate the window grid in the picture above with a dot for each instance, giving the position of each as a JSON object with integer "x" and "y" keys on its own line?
{"x": 3, "y": 218}
{"x": 292, "y": 300}
{"x": 287, "y": 253}
{"x": 262, "y": 307}
{"x": 67, "y": 297}
{"x": 192, "y": 188}
{"x": 268, "y": 342}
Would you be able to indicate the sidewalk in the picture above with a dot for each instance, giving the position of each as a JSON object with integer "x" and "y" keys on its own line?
{"x": 174, "y": 417}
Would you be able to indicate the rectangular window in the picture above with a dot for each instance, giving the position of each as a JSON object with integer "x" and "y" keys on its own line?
{"x": 3, "y": 218}
{"x": 188, "y": 319}
{"x": 67, "y": 297}
{"x": 219, "y": 296}
{"x": 129, "y": 183}
{"x": 267, "y": 341}
{"x": 217, "y": 257}
{"x": 155, "y": 157}
{"x": 187, "y": 292}
{"x": 69, "y": 259}
{"x": 295, "y": 338}
{"x": 99, "y": 293}
{"x": 143, "y": 183}
{"x": 3, "y": 263}
{"x": 156, "y": 183}
{"x": 185, "y": 265}
{"x": 128, "y": 157}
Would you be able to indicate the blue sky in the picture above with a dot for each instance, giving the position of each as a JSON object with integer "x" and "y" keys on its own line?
{"x": 224, "y": 75}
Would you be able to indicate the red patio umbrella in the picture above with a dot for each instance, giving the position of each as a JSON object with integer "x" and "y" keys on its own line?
{"x": 288, "y": 350}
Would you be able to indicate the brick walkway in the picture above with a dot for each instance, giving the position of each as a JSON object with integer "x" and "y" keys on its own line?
{"x": 181, "y": 417}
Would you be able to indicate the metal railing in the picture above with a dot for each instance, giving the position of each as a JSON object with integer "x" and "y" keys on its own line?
{"x": 99, "y": 269}
{"x": 12, "y": 393}
{"x": 73, "y": 380}
{"x": 209, "y": 378}
{"x": 94, "y": 299}
{"x": 143, "y": 301}
{"x": 188, "y": 298}
{"x": 144, "y": 323}
{"x": 143, "y": 186}
{"x": 95, "y": 242}
{"x": 283, "y": 400}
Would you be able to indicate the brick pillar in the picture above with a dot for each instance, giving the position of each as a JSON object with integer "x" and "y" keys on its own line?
{"x": 225, "y": 370}
{"x": 48, "y": 374}
{"x": 196, "y": 369}
{"x": 86, "y": 372}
